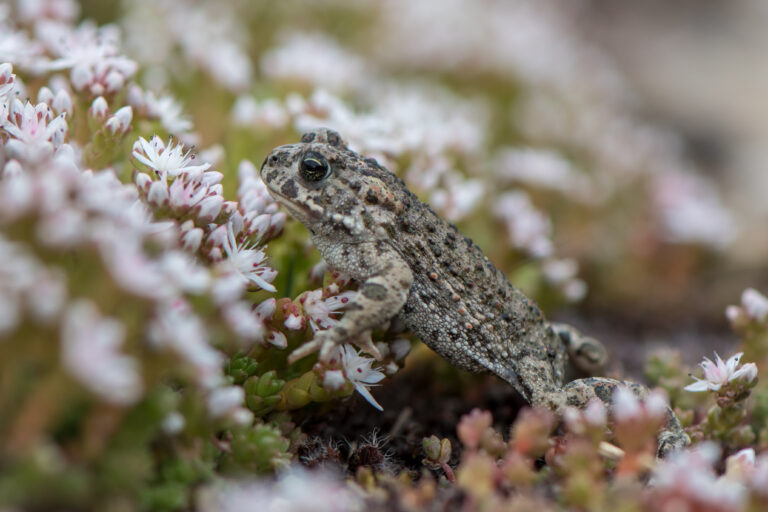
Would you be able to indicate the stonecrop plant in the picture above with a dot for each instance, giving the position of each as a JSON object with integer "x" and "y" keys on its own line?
{"x": 151, "y": 290}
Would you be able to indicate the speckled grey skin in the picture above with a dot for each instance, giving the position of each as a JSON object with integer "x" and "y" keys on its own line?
{"x": 416, "y": 268}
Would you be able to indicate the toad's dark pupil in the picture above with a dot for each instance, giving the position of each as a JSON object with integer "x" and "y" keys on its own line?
{"x": 314, "y": 167}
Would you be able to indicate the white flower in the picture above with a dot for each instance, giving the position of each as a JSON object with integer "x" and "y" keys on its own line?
{"x": 296, "y": 490}
{"x": 34, "y": 131}
{"x": 170, "y": 113}
{"x": 7, "y": 82}
{"x": 62, "y": 102}
{"x": 246, "y": 262}
{"x": 166, "y": 161}
{"x": 91, "y": 53}
{"x": 121, "y": 121}
{"x": 308, "y": 57}
{"x": 270, "y": 113}
{"x": 252, "y": 193}
{"x": 687, "y": 475}
{"x": 99, "y": 108}
{"x": 628, "y": 408}
{"x": 320, "y": 309}
{"x": 243, "y": 321}
{"x": 755, "y": 304}
{"x": 223, "y": 401}
{"x": 358, "y": 370}
{"x": 184, "y": 271}
{"x": 740, "y": 466}
{"x": 173, "y": 423}
{"x": 400, "y": 348}
{"x": 176, "y": 329}
{"x": 89, "y": 350}
{"x": 334, "y": 380}
{"x": 458, "y": 199}
{"x": 719, "y": 373}
{"x": 528, "y": 228}
{"x": 595, "y": 413}
{"x": 32, "y": 11}
{"x": 293, "y": 322}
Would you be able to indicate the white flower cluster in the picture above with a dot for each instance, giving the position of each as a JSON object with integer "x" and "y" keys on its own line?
{"x": 688, "y": 479}
{"x": 84, "y": 253}
{"x": 210, "y": 38}
{"x": 572, "y": 96}
{"x": 427, "y": 127}
{"x": 753, "y": 308}
{"x": 528, "y": 228}
{"x": 295, "y": 490}
{"x": 307, "y": 58}
{"x": 546, "y": 169}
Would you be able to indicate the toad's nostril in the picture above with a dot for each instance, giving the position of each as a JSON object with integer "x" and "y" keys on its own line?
{"x": 271, "y": 159}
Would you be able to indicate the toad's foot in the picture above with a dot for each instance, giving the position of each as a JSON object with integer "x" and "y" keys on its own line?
{"x": 671, "y": 438}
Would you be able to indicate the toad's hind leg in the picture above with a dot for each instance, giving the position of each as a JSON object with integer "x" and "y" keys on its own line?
{"x": 672, "y": 437}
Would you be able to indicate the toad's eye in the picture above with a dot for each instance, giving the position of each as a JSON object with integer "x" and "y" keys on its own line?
{"x": 314, "y": 167}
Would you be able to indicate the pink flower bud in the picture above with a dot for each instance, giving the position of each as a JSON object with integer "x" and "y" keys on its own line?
{"x": 45, "y": 95}
{"x": 99, "y": 108}
{"x": 192, "y": 239}
{"x": 121, "y": 121}
{"x": 334, "y": 380}
{"x": 143, "y": 181}
{"x": 6, "y": 73}
{"x": 158, "y": 193}
{"x": 12, "y": 168}
{"x": 211, "y": 178}
{"x": 210, "y": 207}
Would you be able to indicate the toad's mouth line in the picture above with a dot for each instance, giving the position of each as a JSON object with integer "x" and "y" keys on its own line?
{"x": 298, "y": 210}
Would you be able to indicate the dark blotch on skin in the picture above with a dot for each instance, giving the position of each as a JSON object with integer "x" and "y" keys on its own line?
{"x": 308, "y": 137}
{"x": 604, "y": 391}
{"x": 289, "y": 189}
{"x": 371, "y": 197}
{"x": 374, "y": 291}
{"x": 334, "y": 139}
{"x": 271, "y": 176}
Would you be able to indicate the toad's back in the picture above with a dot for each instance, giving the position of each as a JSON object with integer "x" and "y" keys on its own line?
{"x": 460, "y": 304}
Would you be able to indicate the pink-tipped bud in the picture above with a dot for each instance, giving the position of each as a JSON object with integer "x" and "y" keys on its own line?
{"x": 192, "y": 239}
{"x": 121, "y": 121}
{"x": 143, "y": 181}
{"x": 158, "y": 193}
{"x": 99, "y": 109}
{"x": 211, "y": 178}
{"x": 6, "y": 73}
{"x": 45, "y": 95}
{"x": 210, "y": 207}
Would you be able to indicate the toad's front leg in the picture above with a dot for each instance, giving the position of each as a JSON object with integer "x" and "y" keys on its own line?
{"x": 386, "y": 280}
